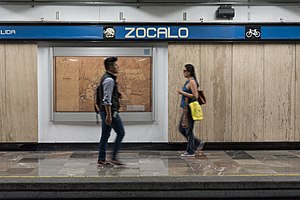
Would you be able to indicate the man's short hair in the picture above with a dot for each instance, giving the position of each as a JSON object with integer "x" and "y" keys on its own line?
{"x": 110, "y": 62}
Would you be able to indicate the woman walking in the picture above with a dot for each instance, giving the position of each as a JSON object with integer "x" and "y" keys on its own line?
{"x": 189, "y": 94}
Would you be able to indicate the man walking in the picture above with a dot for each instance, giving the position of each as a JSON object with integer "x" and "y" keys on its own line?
{"x": 110, "y": 104}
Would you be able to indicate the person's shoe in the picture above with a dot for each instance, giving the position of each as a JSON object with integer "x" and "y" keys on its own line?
{"x": 186, "y": 154}
{"x": 103, "y": 162}
{"x": 116, "y": 162}
{"x": 201, "y": 145}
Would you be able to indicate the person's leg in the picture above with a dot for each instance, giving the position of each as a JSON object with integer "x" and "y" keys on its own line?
{"x": 190, "y": 137}
{"x": 197, "y": 144}
{"x": 181, "y": 129}
{"x": 188, "y": 134}
{"x": 104, "y": 138}
{"x": 200, "y": 145}
{"x": 191, "y": 142}
{"x": 118, "y": 127}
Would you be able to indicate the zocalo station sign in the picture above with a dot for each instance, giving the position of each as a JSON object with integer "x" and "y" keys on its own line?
{"x": 141, "y": 32}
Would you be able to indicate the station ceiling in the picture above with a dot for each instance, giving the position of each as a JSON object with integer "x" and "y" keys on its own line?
{"x": 153, "y": 2}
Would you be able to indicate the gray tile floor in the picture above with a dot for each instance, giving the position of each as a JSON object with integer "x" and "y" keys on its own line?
{"x": 150, "y": 163}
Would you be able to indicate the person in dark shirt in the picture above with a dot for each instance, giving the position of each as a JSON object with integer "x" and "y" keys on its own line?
{"x": 109, "y": 111}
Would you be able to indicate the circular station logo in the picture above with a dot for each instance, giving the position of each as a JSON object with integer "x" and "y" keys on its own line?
{"x": 109, "y": 33}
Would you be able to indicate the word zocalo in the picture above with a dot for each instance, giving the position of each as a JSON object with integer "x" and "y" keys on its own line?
{"x": 153, "y": 32}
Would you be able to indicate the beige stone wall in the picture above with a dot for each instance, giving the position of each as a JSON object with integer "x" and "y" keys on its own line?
{"x": 18, "y": 93}
{"x": 252, "y": 90}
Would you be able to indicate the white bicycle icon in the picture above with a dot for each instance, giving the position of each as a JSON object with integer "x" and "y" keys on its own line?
{"x": 251, "y": 32}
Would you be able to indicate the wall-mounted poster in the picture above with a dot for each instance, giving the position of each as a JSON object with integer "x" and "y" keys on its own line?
{"x": 76, "y": 79}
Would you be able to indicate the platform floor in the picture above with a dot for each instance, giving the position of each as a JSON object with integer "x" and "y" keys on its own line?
{"x": 150, "y": 174}
{"x": 151, "y": 163}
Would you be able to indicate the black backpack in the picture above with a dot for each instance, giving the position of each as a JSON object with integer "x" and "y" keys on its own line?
{"x": 97, "y": 95}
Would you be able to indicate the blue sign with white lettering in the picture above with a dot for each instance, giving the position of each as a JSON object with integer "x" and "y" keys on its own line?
{"x": 97, "y": 32}
{"x": 148, "y": 32}
{"x": 180, "y": 32}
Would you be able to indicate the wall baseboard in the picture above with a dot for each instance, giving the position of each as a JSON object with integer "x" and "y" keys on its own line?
{"x": 150, "y": 146}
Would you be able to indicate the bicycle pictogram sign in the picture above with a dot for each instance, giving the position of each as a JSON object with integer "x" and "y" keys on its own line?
{"x": 252, "y": 32}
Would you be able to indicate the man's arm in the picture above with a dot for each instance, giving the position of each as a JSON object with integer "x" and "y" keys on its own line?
{"x": 108, "y": 86}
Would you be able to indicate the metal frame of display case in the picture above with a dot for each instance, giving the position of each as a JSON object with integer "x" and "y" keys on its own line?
{"x": 101, "y": 51}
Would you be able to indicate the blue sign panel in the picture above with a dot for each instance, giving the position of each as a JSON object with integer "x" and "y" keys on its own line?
{"x": 179, "y": 32}
{"x": 97, "y": 32}
{"x": 52, "y": 32}
{"x": 280, "y": 32}
{"x": 148, "y": 32}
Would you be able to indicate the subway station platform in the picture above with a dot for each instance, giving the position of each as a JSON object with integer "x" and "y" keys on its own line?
{"x": 233, "y": 174}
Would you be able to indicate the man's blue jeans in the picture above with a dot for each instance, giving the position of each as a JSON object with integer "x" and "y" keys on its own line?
{"x": 118, "y": 127}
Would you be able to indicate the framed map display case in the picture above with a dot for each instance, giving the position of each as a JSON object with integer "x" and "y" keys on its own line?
{"x": 77, "y": 73}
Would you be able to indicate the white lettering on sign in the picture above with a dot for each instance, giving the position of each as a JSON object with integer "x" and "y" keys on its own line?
{"x": 152, "y": 32}
{"x": 140, "y": 33}
{"x": 129, "y": 34}
{"x": 183, "y": 32}
{"x": 7, "y": 32}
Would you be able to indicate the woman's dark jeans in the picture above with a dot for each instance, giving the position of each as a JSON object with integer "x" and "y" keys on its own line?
{"x": 192, "y": 141}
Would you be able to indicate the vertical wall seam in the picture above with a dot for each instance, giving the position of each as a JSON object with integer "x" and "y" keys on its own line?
{"x": 4, "y": 120}
{"x": 231, "y": 86}
{"x": 295, "y": 92}
{"x": 264, "y": 94}
{"x": 289, "y": 133}
{"x": 5, "y": 79}
{"x": 201, "y": 86}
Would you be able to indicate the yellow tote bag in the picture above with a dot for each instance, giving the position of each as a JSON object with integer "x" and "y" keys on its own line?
{"x": 196, "y": 109}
